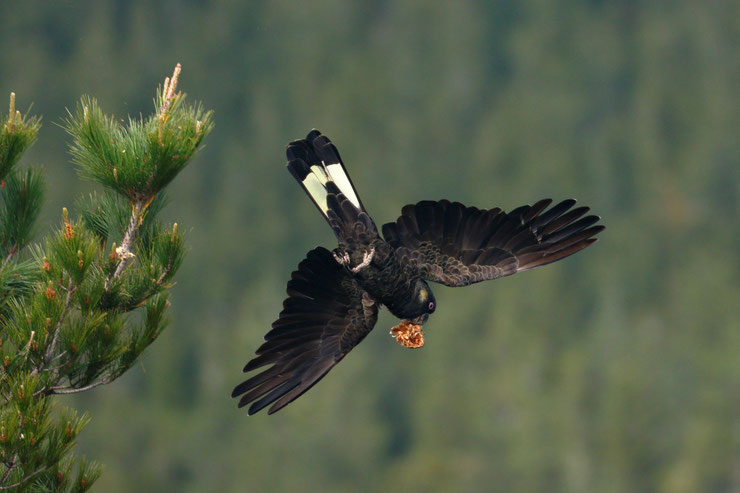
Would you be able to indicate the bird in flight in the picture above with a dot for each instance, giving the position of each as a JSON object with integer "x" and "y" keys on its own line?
{"x": 334, "y": 296}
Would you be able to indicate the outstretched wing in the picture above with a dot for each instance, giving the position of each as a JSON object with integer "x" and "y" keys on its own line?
{"x": 325, "y": 315}
{"x": 457, "y": 245}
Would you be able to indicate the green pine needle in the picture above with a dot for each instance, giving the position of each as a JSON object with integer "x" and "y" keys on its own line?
{"x": 140, "y": 159}
{"x": 17, "y": 133}
{"x": 94, "y": 294}
{"x": 20, "y": 203}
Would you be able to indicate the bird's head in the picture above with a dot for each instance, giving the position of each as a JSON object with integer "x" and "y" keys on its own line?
{"x": 415, "y": 311}
{"x": 413, "y": 302}
{"x": 421, "y": 304}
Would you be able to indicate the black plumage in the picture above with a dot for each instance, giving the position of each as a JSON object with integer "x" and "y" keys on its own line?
{"x": 334, "y": 297}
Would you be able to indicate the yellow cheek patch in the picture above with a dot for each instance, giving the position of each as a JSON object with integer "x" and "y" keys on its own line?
{"x": 423, "y": 295}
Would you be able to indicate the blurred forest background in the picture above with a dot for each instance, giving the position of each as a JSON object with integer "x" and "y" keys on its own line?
{"x": 616, "y": 370}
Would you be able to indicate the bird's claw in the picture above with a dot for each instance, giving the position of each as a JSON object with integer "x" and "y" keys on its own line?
{"x": 367, "y": 257}
{"x": 343, "y": 260}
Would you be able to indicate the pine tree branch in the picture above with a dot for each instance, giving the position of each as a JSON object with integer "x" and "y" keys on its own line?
{"x": 10, "y": 465}
{"x": 58, "y": 327}
{"x": 12, "y": 252}
{"x": 124, "y": 251}
{"x": 28, "y": 345}
{"x": 153, "y": 289}
{"x": 68, "y": 389}
{"x": 60, "y": 355}
{"x": 128, "y": 239}
{"x": 160, "y": 280}
{"x": 137, "y": 161}
{"x": 15, "y": 485}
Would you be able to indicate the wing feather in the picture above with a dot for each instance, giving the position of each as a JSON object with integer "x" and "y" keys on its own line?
{"x": 458, "y": 245}
{"x": 322, "y": 319}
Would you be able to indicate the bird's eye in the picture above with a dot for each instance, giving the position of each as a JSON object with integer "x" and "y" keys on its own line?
{"x": 430, "y": 306}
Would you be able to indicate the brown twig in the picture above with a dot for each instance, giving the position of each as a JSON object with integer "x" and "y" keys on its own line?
{"x": 124, "y": 253}
{"x": 12, "y": 252}
{"x": 58, "y": 327}
{"x": 10, "y": 465}
{"x": 15, "y": 485}
{"x": 68, "y": 389}
{"x": 28, "y": 345}
{"x": 55, "y": 337}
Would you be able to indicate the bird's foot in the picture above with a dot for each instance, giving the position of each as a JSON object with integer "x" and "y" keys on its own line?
{"x": 343, "y": 260}
{"x": 367, "y": 257}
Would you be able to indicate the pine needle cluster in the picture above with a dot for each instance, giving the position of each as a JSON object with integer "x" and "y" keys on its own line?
{"x": 79, "y": 308}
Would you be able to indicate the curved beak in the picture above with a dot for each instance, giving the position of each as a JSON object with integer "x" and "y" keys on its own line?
{"x": 421, "y": 320}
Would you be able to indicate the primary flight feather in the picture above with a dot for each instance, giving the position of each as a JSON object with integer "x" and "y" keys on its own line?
{"x": 334, "y": 297}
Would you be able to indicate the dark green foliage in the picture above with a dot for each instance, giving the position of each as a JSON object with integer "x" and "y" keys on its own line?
{"x": 94, "y": 294}
{"x": 142, "y": 158}
{"x": 16, "y": 280}
{"x": 17, "y": 133}
{"x": 107, "y": 214}
{"x": 20, "y": 203}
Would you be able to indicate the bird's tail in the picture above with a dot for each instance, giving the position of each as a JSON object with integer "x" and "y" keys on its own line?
{"x": 315, "y": 163}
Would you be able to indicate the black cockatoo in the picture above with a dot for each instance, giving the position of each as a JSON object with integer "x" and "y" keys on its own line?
{"x": 334, "y": 296}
